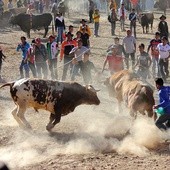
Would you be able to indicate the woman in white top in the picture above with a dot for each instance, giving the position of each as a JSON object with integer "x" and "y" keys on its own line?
{"x": 164, "y": 52}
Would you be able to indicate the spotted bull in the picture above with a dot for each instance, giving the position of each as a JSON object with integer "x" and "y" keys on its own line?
{"x": 59, "y": 98}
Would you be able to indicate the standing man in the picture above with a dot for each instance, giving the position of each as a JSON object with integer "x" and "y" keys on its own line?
{"x": 122, "y": 16}
{"x": 53, "y": 50}
{"x": 91, "y": 10}
{"x": 96, "y": 18}
{"x": 129, "y": 42}
{"x": 78, "y": 53}
{"x": 112, "y": 19}
{"x": 59, "y": 27}
{"x": 1, "y": 8}
{"x": 23, "y": 46}
{"x": 155, "y": 54}
{"x": 41, "y": 57}
{"x": 66, "y": 47}
{"x": 143, "y": 62}
{"x": 163, "y": 121}
{"x": 163, "y": 27}
{"x": 164, "y": 50}
{"x": 132, "y": 19}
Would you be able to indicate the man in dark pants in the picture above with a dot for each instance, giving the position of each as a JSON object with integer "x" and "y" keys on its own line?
{"x": 91, "y": 10}
{"x": 163, "y": 121}
{"x": 132, "y": 19}
{"x": 163, "y": 27}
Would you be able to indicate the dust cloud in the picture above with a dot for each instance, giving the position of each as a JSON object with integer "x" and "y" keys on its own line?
{"x": 90, "y": 129}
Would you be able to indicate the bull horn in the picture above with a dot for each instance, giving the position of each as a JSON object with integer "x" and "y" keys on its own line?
{"x": 90, "y": 87}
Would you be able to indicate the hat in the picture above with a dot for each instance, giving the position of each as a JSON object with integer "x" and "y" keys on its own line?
{"x": 52, "y": 36}
{"x": 38, "y": 40}
{"x": 83, "y": 20}
{"x": 69, "y": 33}
{"x": 163, "y": 16}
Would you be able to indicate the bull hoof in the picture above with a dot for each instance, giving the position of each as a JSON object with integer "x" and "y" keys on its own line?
{"x": 49, "y": 127}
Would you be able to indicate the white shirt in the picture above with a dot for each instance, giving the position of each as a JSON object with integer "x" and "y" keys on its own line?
{"x": 129, "y": 44}
{"x": 120, "y": 12}
{"x": 163, "y": 50}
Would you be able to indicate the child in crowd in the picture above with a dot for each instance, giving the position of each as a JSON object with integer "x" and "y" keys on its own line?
{"x": 96, "y": 17}
{"x": 86, "y": 68}
{"x": 2, "y": 57}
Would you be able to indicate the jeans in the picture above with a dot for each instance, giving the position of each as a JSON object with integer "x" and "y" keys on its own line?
{"x": 122, "y": 24}
{"x": 132, "y": 58}
{"x": 33, "y": 69}
{"x": 165, "y": 118}
{"x": 133, "y": 26}
{"x": 53, "y": 68}
{"x": 113, "y": 27}
{"x": 163, "y": 68}
{"x": 42, "y": 68}
{"x": 90, "y": 15}
{"x": 24, "y": 66}
{"x": 96, "y": 28}
{"x": 155, "y": 67}
{"x": 60, "y": 31}
{"x": 67, "y": 63}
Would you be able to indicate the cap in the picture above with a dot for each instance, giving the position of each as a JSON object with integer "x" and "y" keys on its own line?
{"x": 38, "y": 40}
{"x": 52, "y": 36}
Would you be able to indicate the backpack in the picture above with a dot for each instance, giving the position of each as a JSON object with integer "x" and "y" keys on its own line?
{"x": 109, "y": 18}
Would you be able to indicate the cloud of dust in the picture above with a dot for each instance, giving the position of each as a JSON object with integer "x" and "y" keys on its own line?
{"x": 99, "y": 132}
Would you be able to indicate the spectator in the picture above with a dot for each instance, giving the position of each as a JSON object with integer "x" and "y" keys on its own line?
{"x": 114, "y": 60}
{"x": 78, "y": 53}
{"x": 41, "y": 6}
{"x": 143, "y": 62}
{"x": 84, "y": 26}
{"x": 41, "y": 57}
{"x": 19, "y": 4}
{"x": 163, "y": 121}
{"x": 54, "y": 9}
{"x": 163, "y": 27}
{"x": 66, "y": 47}
{"x": 53, "y": 51}
{"x": 31, "y": 58}
{"x": 96, "y": 17}
{"x": 10, "y": 4}
{"x": 23, "y": 46}
{"x": 132, "y": 19}
{"x": 91, "y": 10}
{"x": 85, "y": 38}
{"x": 155, "y": 54}
{"x": 2, "y": 57}
{"x": 70, "y": 29}
{"x": 59, "y": 27}
{"x": 129, "y": 42}
{"x": 113, "y": 5}
{"x": 122, "y": 16}
{"x": 78, "y": 35}
{"x": 86, "y": 68}
{"x": 112, "y": 19}
{"x": 164, "y": 50}
{"x": 1, "y": 7}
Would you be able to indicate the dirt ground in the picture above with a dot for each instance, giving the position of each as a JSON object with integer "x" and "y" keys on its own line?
{"x": 90, "y": 138}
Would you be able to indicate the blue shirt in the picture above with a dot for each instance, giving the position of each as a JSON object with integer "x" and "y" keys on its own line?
{"x": 164, "y": 98}
{"x": 24, "y": 48}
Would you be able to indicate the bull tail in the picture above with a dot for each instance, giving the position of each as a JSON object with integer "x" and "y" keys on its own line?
{"x": 7, "y": 84}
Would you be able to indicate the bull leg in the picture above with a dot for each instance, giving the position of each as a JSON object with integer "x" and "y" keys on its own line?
{"x": 20, "y": 114}
{"x": 14, "y": 113}
{"x": 46, "y": 31}
{"x": 143, "y": 30}
{"x": 54, "y": 119}
{"x": 28, "y": 34}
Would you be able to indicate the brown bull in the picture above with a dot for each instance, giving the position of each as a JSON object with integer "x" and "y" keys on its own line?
{"x": 126, "y": 88}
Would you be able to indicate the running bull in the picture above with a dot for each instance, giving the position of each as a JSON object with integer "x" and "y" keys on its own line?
{"x": 35, "y": 22}
{"x": 59, "y": 98}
